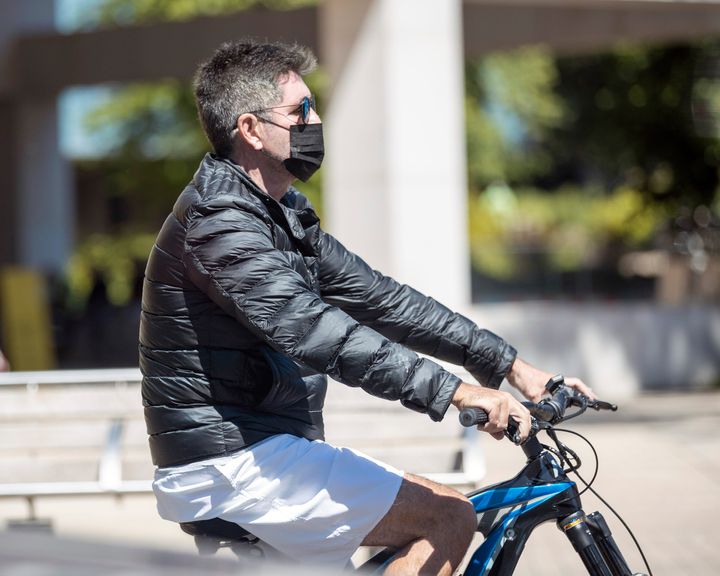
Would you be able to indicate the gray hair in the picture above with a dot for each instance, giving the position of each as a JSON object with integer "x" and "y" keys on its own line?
{"x": 243, "y": 77}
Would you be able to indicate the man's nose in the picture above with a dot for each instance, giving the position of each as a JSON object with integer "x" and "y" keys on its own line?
{"x": 314, "y": 117}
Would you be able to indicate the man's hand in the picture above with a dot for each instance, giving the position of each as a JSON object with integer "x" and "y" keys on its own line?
{"x": 499, "y": 407}
{"x": 531, "y": 382}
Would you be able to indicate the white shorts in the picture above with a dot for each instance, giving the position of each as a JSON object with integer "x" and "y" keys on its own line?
{"x": 312, "y": 501}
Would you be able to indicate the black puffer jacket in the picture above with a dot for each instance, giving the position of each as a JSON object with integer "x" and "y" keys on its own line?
{"x": 247, "y": 304}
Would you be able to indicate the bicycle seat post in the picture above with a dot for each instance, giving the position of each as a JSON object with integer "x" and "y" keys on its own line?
{"x": 206, "y": 545}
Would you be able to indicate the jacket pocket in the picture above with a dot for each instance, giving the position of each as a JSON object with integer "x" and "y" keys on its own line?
{"x": 288, "y": 389}
{"x": 239, "y": 378}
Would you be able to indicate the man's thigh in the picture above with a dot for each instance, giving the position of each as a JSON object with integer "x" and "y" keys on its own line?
{"x": 420, "y": 507}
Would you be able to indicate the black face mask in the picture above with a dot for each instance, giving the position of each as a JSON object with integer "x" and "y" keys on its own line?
{"x": 306, "y": 150}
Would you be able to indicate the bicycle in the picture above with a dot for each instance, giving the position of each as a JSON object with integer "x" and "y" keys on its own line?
{"x": 508, "y": 511}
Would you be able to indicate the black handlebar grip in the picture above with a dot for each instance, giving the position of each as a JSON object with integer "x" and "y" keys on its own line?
{"x": 473, "y": 417}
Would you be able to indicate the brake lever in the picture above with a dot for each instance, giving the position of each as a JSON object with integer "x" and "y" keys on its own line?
{"x": 602, "y": 405}
{"x": 512, "y": 432}
{"x": 584, "y": 402}
{"x": 557, "y": 383}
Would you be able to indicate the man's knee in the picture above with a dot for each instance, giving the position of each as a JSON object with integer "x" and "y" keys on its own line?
{"x": 459, "y": 514}
{"x": 448, "y": 507}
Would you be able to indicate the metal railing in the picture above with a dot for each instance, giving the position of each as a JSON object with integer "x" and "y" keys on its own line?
{"x": 31, "y": 380}
{"x": 109, "y": 478}
{"x": 109, "y": 470}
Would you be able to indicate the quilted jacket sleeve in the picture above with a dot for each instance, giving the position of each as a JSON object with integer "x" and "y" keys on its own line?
{"x": 229, "y": 255}
{"x": 406, "y": 316}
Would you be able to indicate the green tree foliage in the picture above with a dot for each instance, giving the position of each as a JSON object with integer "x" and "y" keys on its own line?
{"x": 572, "y": 228}
{"x": 152, "y": 121}
{"x": 634, "y": 120}
{"x": 588, "y": 156}
{"x": 511, "y": 105}
{"x": 116, "y": 260}
{"x": 124, "y": 12}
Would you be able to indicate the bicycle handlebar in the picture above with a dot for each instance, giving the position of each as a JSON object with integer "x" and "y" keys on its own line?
{"x": 550, "y": 410}
{"x": 473, "y": 417}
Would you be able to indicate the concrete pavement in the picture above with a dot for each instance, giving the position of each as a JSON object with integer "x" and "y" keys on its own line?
{"x": 659, "y": 468}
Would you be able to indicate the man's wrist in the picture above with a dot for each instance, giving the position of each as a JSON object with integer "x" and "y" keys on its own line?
{"x": 459, "y": 396}
{"x": 514, "y": 375}
{"x": 465, "y": 391}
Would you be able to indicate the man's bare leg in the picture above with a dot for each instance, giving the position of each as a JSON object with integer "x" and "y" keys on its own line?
{"x": 431, "y": 525}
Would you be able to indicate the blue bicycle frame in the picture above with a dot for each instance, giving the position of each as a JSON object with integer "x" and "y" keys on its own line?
{"x": 509, "y": 511}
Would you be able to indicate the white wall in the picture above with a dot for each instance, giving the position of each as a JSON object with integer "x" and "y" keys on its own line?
{"x": 619, "y": 349}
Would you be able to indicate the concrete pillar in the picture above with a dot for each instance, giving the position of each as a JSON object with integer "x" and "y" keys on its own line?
{"x": 38, "y": 213}
{"x": 395, "y": 181}
{"x": 46, "y": 194}
{"x": 7, "y": 183}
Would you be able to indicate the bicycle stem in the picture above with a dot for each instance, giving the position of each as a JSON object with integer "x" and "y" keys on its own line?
{"x": 532, "y": 447}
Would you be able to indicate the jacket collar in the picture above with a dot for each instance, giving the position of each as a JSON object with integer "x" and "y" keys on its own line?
{"x": 296, "y": 221}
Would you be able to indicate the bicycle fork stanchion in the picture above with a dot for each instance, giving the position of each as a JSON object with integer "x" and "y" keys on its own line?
{"x": 608, "y": 547}
{"x": 578, "y": 532}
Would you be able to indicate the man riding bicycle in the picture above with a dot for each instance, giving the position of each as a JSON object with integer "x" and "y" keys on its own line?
{"x": 247, "y": 306}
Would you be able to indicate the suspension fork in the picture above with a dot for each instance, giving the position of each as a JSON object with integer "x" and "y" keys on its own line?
{"x": 577, "y": 529}
{"x": 608, "y": 547}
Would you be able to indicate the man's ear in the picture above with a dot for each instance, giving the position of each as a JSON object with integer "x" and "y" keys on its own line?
{"x": 249, "y": 131}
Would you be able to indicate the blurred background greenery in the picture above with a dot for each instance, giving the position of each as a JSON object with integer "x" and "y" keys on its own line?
{"x": 588, "y": 175}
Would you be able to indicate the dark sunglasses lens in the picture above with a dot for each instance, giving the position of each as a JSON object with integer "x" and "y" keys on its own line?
{"x": 306, "y": 104}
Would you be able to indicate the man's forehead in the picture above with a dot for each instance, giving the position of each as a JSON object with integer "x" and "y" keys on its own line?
{"x": 293, "y": 86}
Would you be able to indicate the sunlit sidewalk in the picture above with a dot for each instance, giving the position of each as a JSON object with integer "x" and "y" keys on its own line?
{"x": 658, "y": 468}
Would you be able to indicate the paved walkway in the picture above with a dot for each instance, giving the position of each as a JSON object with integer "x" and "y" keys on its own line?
{"x": 659, "y": 468}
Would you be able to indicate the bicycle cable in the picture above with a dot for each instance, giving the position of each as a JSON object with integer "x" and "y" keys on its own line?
{"x": 563, "y": 450}
{"x": 588, "y": 486}
{"x": 573, "y": 465}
